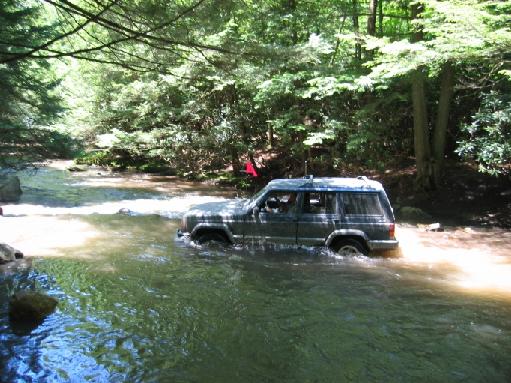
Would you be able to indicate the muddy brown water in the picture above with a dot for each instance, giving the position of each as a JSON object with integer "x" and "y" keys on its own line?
{"x": 136, "y": 304}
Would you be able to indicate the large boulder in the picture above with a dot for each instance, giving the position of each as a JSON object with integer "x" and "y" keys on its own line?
{"x": 31, "y": 306}
{"x": 10, "y": 188}
{"x": 9, "y": 253}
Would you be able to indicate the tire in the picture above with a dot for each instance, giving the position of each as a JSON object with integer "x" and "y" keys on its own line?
{"x": 349, "y": 247}
{"x": 212, "y": 238}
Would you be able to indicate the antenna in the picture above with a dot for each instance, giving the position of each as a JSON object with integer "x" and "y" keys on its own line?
{"x": 365, "y": 179}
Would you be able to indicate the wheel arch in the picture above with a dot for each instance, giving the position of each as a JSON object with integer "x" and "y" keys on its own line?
{"x": 207, "y": 228}
{"x": 340, "y": 235}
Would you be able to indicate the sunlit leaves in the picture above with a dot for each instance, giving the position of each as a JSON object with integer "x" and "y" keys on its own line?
{"x": 286, "y": 68}
{"x": 460, "y": 30}
{"x": 331, "y": 130}
{"x": 487, "y": 139}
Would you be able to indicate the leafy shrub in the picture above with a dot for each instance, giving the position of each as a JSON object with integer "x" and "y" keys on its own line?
{"x": 98, "y": 157}
{"x": 487, "y": 139}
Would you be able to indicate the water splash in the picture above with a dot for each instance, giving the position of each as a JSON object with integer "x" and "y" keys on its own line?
{"x": 472, "y": 259}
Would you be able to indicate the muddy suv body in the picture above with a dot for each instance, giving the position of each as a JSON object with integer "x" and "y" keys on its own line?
{"x": 348, "y": 215}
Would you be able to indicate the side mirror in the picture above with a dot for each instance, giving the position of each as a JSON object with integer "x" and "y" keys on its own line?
{"x": 255, "y": 211}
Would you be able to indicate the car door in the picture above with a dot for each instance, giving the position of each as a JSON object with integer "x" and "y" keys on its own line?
{"x": 318, "y": 217}
{"x": 273, "y": 220}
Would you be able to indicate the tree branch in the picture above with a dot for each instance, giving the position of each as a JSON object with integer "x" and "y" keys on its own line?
{"x": 111, "y": 25}
{"x": 54, "y": 40}
{"x": 144, "y": 37}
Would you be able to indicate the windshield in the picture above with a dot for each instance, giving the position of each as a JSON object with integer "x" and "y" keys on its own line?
{"x": 256, "y": 196}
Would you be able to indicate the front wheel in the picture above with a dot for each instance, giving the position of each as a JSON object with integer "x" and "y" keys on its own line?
{"x": 213, "y": 238}
{"x": 349, "y": 247}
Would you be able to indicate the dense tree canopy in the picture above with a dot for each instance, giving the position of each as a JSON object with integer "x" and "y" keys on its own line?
{"x": 28, "y": 97}
{"x": 203, "y": 85}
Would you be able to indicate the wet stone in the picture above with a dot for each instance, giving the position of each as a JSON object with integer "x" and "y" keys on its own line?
{"x": 77, "y": 168}
{"x": 9, "y": 253}
{"x": 125, "y": 211}
{"x": 31, "y": 306}
{"x": 435, "y": 227}
{"x": 10, "y": 188}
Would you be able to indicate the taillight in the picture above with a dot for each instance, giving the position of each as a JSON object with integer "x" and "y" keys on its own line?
{"x": 392, "y": 231}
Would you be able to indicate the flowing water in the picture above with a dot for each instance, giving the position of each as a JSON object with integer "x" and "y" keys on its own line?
{"x": 138, "y": 305}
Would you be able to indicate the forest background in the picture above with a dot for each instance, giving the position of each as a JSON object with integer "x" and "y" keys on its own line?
{"x": 199, "y": 87}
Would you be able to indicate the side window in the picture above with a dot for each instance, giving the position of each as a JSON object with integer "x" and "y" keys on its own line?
{"x": 361, "y": 204}
{"x": 280, "y": 202}
{"x": 320, "y": 203}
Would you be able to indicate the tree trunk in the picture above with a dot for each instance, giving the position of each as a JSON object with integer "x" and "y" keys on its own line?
{"x": 271, "y": 142}
{"x": 380, "y": 18}
{"x": 416, "y": 10}
{"x": 371, "y": 18}
{"x": 424, "y": 179}
{"x": 235, "y": 160}
{"x": 356, "y": 29}
{"x": 338, "y": 42}
{"x": 421, "y": 133}
{"x": 294, "y": 32}
{"x": 442, "y": 119}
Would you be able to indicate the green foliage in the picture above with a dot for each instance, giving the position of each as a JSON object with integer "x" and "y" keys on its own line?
{"x": 300, "y": 78}
{"x": 460, "y": 31}
{"x": 97, "y": 157}
{"x": 213, "y": 82}
{"x": 487, "y": 139}
{"x": 29, "y": 100}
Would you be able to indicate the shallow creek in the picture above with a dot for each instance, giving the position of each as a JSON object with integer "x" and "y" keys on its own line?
{"x": 139, "y": 305}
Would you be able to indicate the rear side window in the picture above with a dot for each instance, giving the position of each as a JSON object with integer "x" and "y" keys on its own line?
{"x": 361, "y": 204}
{"x": 320, "y": 203}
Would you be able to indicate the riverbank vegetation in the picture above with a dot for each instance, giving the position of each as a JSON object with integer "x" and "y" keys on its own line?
{"x": 199, "y": 87}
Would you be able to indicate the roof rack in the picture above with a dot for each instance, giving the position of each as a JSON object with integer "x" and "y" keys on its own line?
{"x": 309, "y": 179}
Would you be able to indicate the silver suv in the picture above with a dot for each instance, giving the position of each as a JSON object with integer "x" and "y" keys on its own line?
{"x": 349, "y": 215}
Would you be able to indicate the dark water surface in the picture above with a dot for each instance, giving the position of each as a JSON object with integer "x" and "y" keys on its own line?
{"x": 138, "y": 305}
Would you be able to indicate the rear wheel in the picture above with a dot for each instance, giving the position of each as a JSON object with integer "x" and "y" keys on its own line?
{"x": 349, "y": 247}
{"x": 212, "y": 238}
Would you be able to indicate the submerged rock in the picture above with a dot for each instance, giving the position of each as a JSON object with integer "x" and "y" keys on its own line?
{"x": 31, "y": 306}
{"x": 125, "y": 211}
{"x": 9, "y": 253}
{"x": 10, "y": 188}
{"x": 15, "y": 268}
{"x": 436, "y": 227}
{"x": 78, "y": 168}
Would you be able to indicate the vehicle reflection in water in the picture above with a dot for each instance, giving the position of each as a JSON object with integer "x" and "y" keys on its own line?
{"x": 138, "y": 305}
